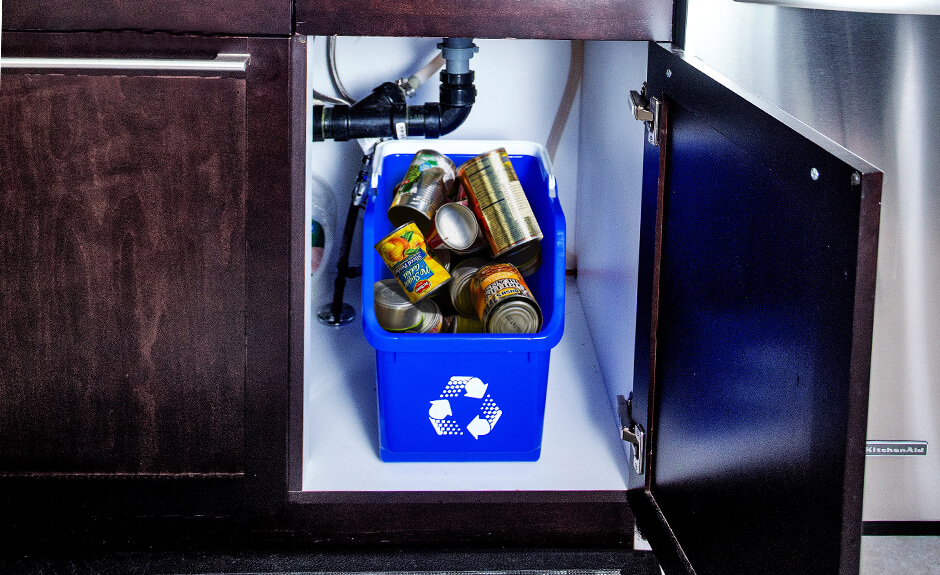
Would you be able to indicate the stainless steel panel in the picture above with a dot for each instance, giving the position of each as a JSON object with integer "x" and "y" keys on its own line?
{"x": 877, "y": 6}
{"x": 870, "y": 82}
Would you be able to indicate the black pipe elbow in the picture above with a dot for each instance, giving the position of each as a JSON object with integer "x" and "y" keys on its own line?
{"x": 452, "y": 118}
{"x": 375, "y": 116}
{"x": 384, "y": 113}
{"x": 458, "y": 95}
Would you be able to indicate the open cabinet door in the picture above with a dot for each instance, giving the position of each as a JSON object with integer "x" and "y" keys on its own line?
{"x": 754, "y": 327}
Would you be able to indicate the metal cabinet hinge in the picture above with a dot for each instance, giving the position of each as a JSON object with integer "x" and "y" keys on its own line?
{"x": 647, "y": 110}
{"x": 632, "y": 432}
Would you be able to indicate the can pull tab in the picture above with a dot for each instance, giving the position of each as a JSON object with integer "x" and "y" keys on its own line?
{"x": 632, "y": 432}
{"x": 646, "y": 110}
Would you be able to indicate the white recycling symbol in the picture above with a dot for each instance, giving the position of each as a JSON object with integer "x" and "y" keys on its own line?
{"x": 442, "y": 416}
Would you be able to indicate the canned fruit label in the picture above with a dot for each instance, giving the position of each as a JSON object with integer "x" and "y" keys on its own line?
{"x": 499, "y": 201}
{"x": 405, "y": 253}
{"x": 495, "y": 283}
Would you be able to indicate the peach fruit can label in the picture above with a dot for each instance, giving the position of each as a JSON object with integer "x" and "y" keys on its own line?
{"x": 405, "y": 253}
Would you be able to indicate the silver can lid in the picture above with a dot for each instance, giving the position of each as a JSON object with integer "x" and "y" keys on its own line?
{"x": 460, "y": 295}
{"x": 517, "y": 316}
{"x": 432, "y": 320}
{"x": 393, "y": 310}
{"x": 458, "y": 228}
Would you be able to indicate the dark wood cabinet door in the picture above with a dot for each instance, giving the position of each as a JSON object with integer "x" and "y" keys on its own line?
{"x": 759, "y": 240}
{"x": 212, "y": 17}
{"x": 144, "y": 217}
{"x": 586, "y": 19}
{"x": 124, "y": 296}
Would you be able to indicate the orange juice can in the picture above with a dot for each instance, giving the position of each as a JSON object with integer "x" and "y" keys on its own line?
{"x": 405, "y": 253}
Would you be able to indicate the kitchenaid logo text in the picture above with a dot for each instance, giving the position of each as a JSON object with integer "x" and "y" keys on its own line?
{"x": 899, "y": 448}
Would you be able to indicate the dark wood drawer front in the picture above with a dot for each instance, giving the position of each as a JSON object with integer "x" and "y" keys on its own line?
{"x": 588, "y": 19}
{"x": 122, "y": 298}
{"x": 211, "y": 17}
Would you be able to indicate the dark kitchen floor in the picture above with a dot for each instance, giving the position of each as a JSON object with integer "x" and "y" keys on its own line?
{"x": 881, "y": 555}
{"x": 497, "y": 561}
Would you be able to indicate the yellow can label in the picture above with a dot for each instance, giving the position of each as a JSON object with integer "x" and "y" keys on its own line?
{"x": 406, "y": 254}
{"x": 494, "y": 283}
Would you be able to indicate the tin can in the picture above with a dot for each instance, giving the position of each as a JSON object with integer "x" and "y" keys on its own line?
{"x": 456, "y": 229}
{"x": 393, "y": 310}
{"x": 422, "y": 161}
{"x": 527, "y": 259}
{"x": 420, "y": 202}
{"x": 405, "y": 253}
{"x": 431, "y": 318}
{"x": 499, "y": 202}
{"x": 459, "y": 287}
{"x": 461, "y": 324}
{"x": 503, "y": 301}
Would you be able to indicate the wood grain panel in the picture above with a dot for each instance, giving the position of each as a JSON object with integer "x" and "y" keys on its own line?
{"x": 122, "y": 272}
{"x": 211, "y": 16}
{"x": 586, "y": 19}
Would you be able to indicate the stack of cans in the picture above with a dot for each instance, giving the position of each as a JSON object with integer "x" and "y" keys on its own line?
{"x": 465, "y": 238}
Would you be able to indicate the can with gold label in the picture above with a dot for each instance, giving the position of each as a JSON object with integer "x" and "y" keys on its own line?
{"x": 500, "y": 204}
{"x": 405, "y": 253}
{"x": 503, "y": 301}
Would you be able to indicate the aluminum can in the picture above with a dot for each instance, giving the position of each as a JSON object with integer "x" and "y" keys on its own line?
{"x": 459, "y": 288}
{"x": 461, "y": 324}
{"x": 432, "y": 321}
{"x": 499, "y": 202}
{"x": 422, "y": 161}
{"x": 527, "y": 259}
{"x": 456, "y": 229}
{"x": 405, "y": 253}
{"x": 418, "y": 195}
{"x": 393, "y": 310}
{"x": 503, "y": 301}
{"x": 420, "y": 202}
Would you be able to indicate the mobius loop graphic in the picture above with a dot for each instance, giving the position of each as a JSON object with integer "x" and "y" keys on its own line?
{"x": 462, "y": 398}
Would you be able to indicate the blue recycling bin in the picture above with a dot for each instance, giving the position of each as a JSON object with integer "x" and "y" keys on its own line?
{"x": 465, "y": 397}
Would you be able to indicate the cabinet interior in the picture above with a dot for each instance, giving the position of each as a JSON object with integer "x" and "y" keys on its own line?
{"x": 599, "y": 168}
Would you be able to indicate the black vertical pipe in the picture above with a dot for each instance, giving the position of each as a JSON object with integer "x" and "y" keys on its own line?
{"x": 359, "y": 196}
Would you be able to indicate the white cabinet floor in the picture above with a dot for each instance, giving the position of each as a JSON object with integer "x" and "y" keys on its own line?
{"x": 581, "y": 450}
